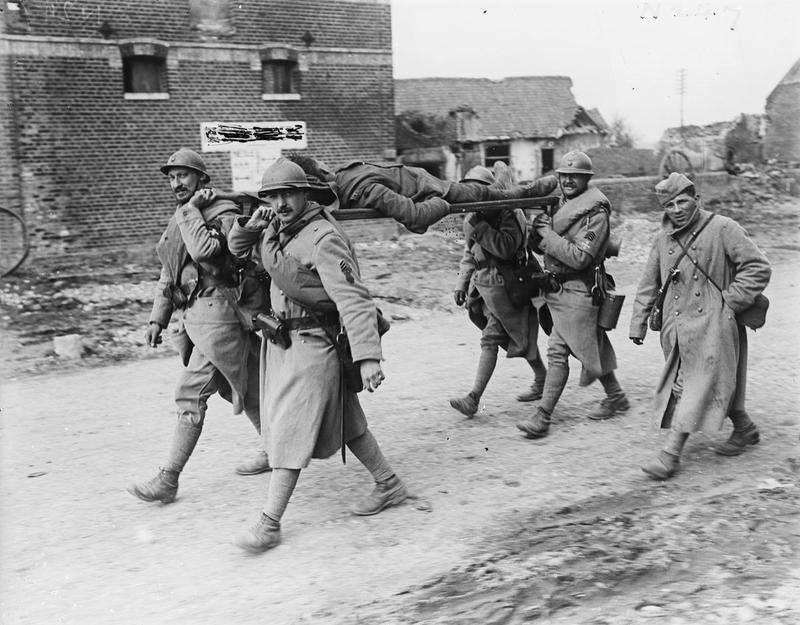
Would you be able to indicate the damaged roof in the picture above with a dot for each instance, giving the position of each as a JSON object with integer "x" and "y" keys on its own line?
{"x": 516, "y": 107}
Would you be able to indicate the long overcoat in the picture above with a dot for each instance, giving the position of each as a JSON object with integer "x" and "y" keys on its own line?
{"x": 193, "y": 246}
{"x": 303, "y": 400}
{"x": 486, "y": 245}
{"x": 576, "y": 243}
{"x": 699, "y": 333}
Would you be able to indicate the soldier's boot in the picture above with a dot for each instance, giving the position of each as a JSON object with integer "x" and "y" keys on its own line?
{"x": 535, "y": 392}
{"x": 738, "y": 441}
{"x": 615, "y": 400}
{"x": 163, "y": 487}
{"x": 387, "y": 493}
{"x": 256, "y": 465}
{"x": 467, "y": 405}
{"x": 539, "y": 376}
{"x": 664, "y": 466}
{"x": 389, "y": 489}
{"x": 537, "y": 388}
{"x": 536, "y": 426}
{"x": 609, "y": 407}
{"x": 264, "y": 535}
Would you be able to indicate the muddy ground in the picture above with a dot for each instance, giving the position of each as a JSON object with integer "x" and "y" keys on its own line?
{"x": 500, "y": 530}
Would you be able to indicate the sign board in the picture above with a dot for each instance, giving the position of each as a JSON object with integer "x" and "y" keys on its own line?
{"x": 248, "y": 164}
{"x": 225, "y": 136}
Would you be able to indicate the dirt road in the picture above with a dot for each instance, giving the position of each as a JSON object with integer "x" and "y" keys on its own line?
{"x": 502, "y": 530}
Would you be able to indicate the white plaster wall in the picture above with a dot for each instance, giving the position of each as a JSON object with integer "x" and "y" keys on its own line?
{"x": 525, "y": 156}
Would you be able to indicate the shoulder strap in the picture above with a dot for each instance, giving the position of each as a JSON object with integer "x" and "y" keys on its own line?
{"x": 662, "y": 292}
{"x": 685, "y": 252}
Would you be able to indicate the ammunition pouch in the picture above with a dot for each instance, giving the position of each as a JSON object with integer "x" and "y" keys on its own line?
{"x": 525, "y": 279}
{"x": 273, "y": 329}
{"x": 177, "y": 296}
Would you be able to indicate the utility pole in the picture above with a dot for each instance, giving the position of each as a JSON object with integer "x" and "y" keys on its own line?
{"x": 682, "y": 88}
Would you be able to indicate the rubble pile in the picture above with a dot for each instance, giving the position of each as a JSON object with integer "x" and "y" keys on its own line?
{"x": 764, "y": 183}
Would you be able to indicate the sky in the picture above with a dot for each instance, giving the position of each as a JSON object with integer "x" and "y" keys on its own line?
{"x": 624, "y": 57}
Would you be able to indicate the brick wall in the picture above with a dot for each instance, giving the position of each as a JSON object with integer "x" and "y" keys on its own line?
{"x": 332, "y": 23}
{"x": 81, "y": 162}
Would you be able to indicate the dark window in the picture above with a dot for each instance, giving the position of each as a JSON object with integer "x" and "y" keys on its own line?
{"x": 144, "y": 74}
{"x": 278, "y": 77}
{"x": 547, "y": 160}
{"x": 497, "y": 152}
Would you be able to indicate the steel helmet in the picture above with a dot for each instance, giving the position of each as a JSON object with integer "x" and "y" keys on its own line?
{"x": 283, "y": 174}
{"x": 186, "y": 158}
{"x": 575, "y": 162}
{"x": 479, "y": 173}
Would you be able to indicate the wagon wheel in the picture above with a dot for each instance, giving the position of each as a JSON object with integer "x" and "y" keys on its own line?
{"x": 675, "y": 160}
{"x": 14, "y": 245}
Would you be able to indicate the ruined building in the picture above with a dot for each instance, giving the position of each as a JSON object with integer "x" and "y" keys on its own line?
{"x": 782, "y": 140}
{"x": 528, "y": 122}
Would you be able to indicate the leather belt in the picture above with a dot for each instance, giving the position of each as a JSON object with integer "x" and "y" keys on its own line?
{"x": 306, "y": 323}
{"x": 492, "y": 262}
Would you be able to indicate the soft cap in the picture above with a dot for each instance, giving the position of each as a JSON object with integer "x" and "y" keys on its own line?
{"x": 673, "y": 186}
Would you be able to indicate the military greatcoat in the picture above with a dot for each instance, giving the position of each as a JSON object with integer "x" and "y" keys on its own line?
{"x": 574, "y": 246}
{"x": 699, "y": 332}
{"x": 195, "y": 262}
{"x": 303, "y": 400}
{"x": 491, "y": 243}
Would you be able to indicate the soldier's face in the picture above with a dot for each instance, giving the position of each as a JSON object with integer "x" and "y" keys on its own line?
{"x": 573, "y": 185}
{"x": 287, "y": 204}
{"x": 680, "y": 209}
{"x": 184, "y": 182}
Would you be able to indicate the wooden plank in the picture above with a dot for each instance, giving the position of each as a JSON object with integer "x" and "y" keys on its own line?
{"x": 533, "y": 203}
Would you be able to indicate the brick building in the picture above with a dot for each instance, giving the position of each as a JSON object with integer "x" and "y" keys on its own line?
{"x": 97, "y": 94}
{"x": 528, "y": 122}
{"x": 782, "y": 140}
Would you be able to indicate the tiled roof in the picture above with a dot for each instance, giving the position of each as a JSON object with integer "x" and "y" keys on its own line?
{"x": 524, "y": 106}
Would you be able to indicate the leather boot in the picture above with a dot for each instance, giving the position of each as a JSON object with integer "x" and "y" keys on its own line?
{"x": 264, "y": 535}
{"x": 163, "y": 487}
{"x": 536, "y": 426}
{"x": 258, "y": 464}
{"x": 385, "y": 494}
{"x": 663, "y": 468}
{"x": 738, "y": 441}
{"x": 467, "y": 405}
{"x": 537, "y": 388}
{"x": 608, "y": 407}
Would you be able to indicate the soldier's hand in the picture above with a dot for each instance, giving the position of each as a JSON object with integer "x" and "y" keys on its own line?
{"x": 475, "y": 218}
{"x": 260, "y": 218}
{"x": 203, "y": 197}
{"x": 637, "y": 341}
{"x": 542, "y": 223}
{"x": 152, "y": 335}
{"x": 460, "y": 296}
{"x": 371, "y": 374}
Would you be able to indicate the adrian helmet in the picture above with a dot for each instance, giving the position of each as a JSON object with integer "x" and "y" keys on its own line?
{"x": 186, "y": 158}
{"x": 575, "y": 162}
{"x": 479, "y": 173}
{"x": 283, "y": 174}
